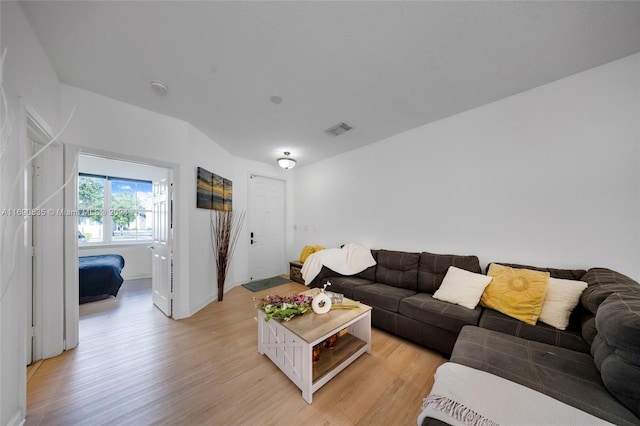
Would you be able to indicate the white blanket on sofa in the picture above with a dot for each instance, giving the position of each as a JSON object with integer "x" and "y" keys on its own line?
{"x": 348, "y": 260}
{"x": 465, "y": 396}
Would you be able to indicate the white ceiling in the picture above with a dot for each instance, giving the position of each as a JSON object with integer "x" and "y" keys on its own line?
{"x": 381, "y": 67}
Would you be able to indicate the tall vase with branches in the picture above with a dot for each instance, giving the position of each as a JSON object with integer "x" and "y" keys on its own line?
{"x": 225, "y": 229}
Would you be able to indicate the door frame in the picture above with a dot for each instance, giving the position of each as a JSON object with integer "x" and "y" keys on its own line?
{"x": 71, "y": 308}
{"x": 286, "y": 218}
{"x": 71, "y": 278}
{"x": 37, "y": 134}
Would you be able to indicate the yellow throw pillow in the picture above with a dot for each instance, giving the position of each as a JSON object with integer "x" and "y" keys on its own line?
{"x": 317, "y": 248}
{"x": 306, "y": 252}
{"x": 518, "y": 293}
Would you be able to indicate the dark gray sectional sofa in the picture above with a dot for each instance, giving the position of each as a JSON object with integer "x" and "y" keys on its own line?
{"x": 594, "y": 365}
{"x": 399, "y": 288}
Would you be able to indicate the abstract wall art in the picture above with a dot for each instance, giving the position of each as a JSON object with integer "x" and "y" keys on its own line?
{"x": 213, "y": 192}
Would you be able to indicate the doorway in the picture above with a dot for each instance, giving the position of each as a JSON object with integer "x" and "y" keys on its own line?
{"x": 136, "y": 201}
{"x": 266, "y": 227}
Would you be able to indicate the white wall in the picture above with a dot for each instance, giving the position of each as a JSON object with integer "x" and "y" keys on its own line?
{"x": 548, "y": 177}
{"x": 204, "y": 153}
{"x": 28, "y": 77}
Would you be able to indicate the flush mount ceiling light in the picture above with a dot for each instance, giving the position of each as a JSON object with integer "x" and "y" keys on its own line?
{"x": 159, "y": 87}
{"x": 286, "y": 162}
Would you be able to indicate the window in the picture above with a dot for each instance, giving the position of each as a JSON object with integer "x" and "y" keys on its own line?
{"x": 91, "y": 206}
{"x": 114, "y": 210}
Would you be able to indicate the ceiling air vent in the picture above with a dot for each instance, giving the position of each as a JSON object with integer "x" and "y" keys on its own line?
{"x": 338, "y": 129}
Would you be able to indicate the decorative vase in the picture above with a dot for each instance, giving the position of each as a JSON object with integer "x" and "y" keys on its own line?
{"x": 225, "y": 229}
{"x": 331, "y": 341}
{"x": 316, "y": 352}
{"x": 321, "y": 303}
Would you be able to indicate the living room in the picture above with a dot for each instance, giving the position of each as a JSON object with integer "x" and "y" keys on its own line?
{"x": 547, "y": 176}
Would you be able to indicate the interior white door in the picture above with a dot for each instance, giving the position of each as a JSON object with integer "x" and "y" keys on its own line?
{"x": 161, "y": 261}
{"x": 266, "y": 227}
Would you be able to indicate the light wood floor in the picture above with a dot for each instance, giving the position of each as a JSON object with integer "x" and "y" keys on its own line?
{"x": 134, "y": 366}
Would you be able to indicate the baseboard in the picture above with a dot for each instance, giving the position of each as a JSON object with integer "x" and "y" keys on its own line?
{"x": 136, "y": 277}
{"x": 18, "y": 419}
{"x": 194, "y": 309}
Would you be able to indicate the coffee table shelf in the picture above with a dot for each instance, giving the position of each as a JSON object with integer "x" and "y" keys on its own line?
{"x": 330, "y": 358}
{"x": 288, "y": 344}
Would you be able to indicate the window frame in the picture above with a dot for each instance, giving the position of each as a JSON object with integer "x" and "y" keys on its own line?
{"x": 107, "y": 219}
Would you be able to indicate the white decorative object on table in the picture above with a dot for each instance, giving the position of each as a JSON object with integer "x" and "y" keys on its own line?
{"x": 335, "y": 297}
{"x": 322, "y": 302}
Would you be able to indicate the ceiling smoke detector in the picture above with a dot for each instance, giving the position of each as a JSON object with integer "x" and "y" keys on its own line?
{"x": 338, "y": 129}
{"x": 159, "y": 87}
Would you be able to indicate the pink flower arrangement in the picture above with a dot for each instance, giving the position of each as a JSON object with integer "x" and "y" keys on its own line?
{"x": 285, "y": 307}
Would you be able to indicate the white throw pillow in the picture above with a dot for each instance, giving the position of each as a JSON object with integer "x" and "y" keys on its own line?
{"x": 561, "y": 298}
{"x": 462, "y": 287}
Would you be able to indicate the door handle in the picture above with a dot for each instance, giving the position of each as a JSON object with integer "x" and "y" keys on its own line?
{"x": 150, "y": 247}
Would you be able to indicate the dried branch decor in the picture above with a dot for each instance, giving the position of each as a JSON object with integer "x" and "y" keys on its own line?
{"x": 225, "y": 229}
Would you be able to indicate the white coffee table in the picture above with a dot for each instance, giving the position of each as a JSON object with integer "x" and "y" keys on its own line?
{"x": 289, "y": 344}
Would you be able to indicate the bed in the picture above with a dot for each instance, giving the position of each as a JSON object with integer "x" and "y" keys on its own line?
{"x": 100, "y": 276}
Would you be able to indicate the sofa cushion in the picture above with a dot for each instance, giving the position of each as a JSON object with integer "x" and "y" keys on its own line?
{"x": 563, "y": 374}
{"x": 616, "y": 348}
{"x": 569, "y": 339}
{"x": 381, "y": 295}
{"x": 370, "y": 272}
{"x": 385, "y": 320}
{"x": 560, "y": 300}
{"x": 427, "y": 335}
{"x": 565, "y": 274}
{"x": 433, "y": 268}
{"x": 588, "y": 328}
{"x": 306, "y": 252}
{"x": 345, "y": 285}
{"x": 462, "y": 287}
{"x": 398, "y": 269}
{"x": 601, "y": 283}
{"x": 424, "y": 308}
{"x": 518, "y": 293}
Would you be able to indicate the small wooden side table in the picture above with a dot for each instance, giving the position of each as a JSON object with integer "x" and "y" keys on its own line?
{"x": 295, "y": 271}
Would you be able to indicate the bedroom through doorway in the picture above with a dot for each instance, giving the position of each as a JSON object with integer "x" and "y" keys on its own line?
{"x": 124, "y": 220}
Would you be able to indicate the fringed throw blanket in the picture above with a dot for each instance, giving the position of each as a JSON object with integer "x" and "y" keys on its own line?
{"x": 465, "y": 396}
{"x": 457, "y": 411}
{"x": 348, "y": 260}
